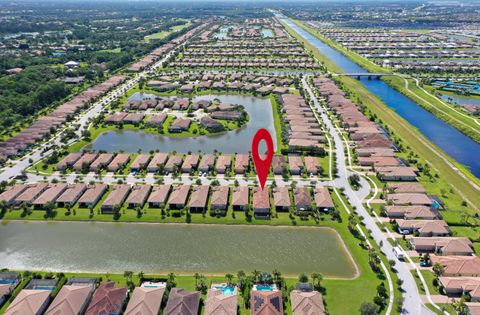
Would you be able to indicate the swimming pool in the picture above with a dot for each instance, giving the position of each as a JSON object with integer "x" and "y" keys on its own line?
{"x": 226, "y": 290}
{"x": 7, "y": 281}
{"x": 265, "y": 287}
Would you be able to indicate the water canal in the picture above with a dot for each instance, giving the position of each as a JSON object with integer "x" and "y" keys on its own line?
{"x": 116, "y": 247}
{"x": 450, "y": 140}
{"x": 236, "y": 141}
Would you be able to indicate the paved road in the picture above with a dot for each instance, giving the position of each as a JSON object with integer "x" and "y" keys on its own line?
{"x": 412, "y": 302}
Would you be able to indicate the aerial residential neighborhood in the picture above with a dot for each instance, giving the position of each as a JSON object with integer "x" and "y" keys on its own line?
{"x": 252, "y": 157}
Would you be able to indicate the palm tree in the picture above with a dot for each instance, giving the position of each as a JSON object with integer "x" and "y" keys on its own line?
{"x": 241, "y": 279}
{"x": 128, "y": 274}
{"x": 196, "y": 276}
{"x": 277, "y": 276}
{"x": 229, "y": 278}
{"x": 141, "y": 276}
{"x": 255, "y": 274}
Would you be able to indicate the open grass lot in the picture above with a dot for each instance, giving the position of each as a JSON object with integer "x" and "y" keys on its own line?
{"x": 454, "y": 176}
{"x": 163, "y": 34}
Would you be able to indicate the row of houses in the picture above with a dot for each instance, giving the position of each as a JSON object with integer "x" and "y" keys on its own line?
{"x": 195, "y": 198}
{"x": 281, "y": 63}
{"x": 304, "y": 131}
{"x": 407, "y": 203}
{"x": 86, "y": 296}
{"x": 45, "y": 124}
{"x": 206, "y": 163}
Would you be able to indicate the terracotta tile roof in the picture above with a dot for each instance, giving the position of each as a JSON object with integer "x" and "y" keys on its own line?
{"x": 266, "y": 303}
{"x": 281, "y": 197}
{"x": 323, "y": 198}
{"x": 117, "y": 195}
{"x": 307, "y": 303}
{"x": 145, "y": 301}
{"x": 12, "y": 192}
{"x": 71, "y": 300}
{"x": 158, "y": 159}
{"x": 93, "y": 193}
{"x": 179, "y": 195}
{"x": 458, "y": 265}
{"x": 139, "y": 194}
{"x": 220, "y": 304}
{"x": 107, "y": 299}
{"x": 240, "y": 196}
{"x": 302, "y": 198}
{"x": 446, "y": 245}
{"x": 159, "y": 194}
{"x": 207, "y": 162}
{"x": 199, "y": 196}
{"x": 435, "y": 227}
{"x": 261, "y": 199}
{"x": 181, "y": 302}
{"x": 219, "y": 198}
{"x": 411, "y": 212}
{"x": 28, "y": 302}
{"x": 406, "y": 187}
{"x": 410, "y": 199}
{"x": 51, "y": 194}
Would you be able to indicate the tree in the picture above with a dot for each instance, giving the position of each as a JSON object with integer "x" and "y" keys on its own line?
{"x": 303, "y": 278}
{"x": 229, "y": 278}
{"x": 438, "y": 269}
{"x": 368, "y": 309}
{"x": 241, "y": 277}
{"x": 317, "y": 280}
{"x": 128, "y": 274}
{"x": 255, "y": 274}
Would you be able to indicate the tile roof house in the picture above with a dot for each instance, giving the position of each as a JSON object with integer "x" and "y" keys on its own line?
{"x": 9, "y": 281}
{"x": 190, "y": 163}
{"x": 473, "y": 308}
{"x": 458, "y": 286}
{"x": 445, "y": 246}
{"x": 281, "y": 198}
{"x": 220, "y": 304}
{"x": 410, "y": 199}
{"x": 159, "y": 195}
{"x": 29, "y": 302}
{"x": 397, "y": 173}
{"x": 138, "y": 196}
{"x": 84, "y": 161}
{"x": 296, "y": 164}
{"x": 140, "y": 162}
{"x": 107, "y": 299}
{"x": 32, "y": 192}
{"x": 303, "y": 199}
{"x": 178, "y": 197}
{"x": 49, "y": 195}
{"x": 69, "y": 160}
{"x": 219, "y": 198}
{"x": 198, "y": 198}
{"x": 102, "y": 161}
{"x": 425, "y": 228}
{"x": 174, "y": 162}
{"x": 11, "y": 192}
{"x": 307, "y": 303}
{"x": 181, "y": 302}
{"x": 278, "y": 164}
{"x": 312, "y": 165}
{"x": 266, "y": 303}
{"x": 401, "y": 188}
{"x": 92, "y": 195}
{"x": 224, "y": 162}
{"x": 240, "y": 198}
{"x": 242, "y": 163}
{"x": 207, "y": 163}
{"x": 71, "y": 194}
{"x": 323, "y": 200}
{"x": 261, "y": 203}
{"x": 145, "y": 301}
{"x": 159, "y": 159}
{"x": 120, "y": 160}
{"x": 458, "y": 266}
{"x": 71, "y": 300}
{"x": 116, "y": 198}
{"x": 411, "y": 212}
{"x": 180, "y": 124}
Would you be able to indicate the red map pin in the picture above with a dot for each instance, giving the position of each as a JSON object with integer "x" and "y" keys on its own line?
{"x": 262, "y": 166}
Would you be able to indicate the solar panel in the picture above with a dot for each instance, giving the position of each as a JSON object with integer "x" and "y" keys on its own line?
{"x": 276, "y": 302}
{"x": 258, "y": 302}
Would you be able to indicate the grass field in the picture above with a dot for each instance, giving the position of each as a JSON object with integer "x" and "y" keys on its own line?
{"x": 163, "y": 34}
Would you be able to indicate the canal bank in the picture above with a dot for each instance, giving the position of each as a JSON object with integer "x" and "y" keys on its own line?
{"x": 452, "y": 173}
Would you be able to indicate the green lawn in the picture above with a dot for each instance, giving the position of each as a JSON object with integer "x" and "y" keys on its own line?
{"x": 163, "y": 34}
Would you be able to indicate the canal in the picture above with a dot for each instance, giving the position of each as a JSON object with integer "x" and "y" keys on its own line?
{"x": 260, "y": 114}
{"x": 163, "y": 248}
{"x": 460, "y": 147}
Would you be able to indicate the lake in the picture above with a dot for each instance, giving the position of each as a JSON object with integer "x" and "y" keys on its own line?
{"x": 163, "y": 248}
{"x": 459, "y": 146}
{"x": 459, "y": 100}
{"x": 234, "y": 141}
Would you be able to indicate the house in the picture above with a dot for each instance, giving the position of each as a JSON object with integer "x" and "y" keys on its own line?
{"x": 307, "y": 302}
{"x": 8, "y": 283}
{"x": 145, "y": 301}
{"x": 403, "y": 188}
{"x": 473, "y": 308}
{"x": 178, "y": 197}
{"x": 242, "y": 163}
{"x": 102, "y": 161}
{"x": 458, "y": 286}
{"x": 458, "y": 266}
{"x": 278, "y": 164}
{"x": 411, "y": 212}
{"x": 220, "y": 303}
{"x": 49, "y": 195}
{"x": 69, "y": 161}
{"x": 312, "y": 165}
{"x": 158, "y": 160}
{"x": 140, "y": 162}
{"x": 71, "y": 299}
{"x": 281, "y": 198}
{"x": 116, "y": 198}
{"x": 240, "y": 198}
{"x": 397, "y": 173}
{"x": 173, "y": 163}
{"x": 84, "y": 162}
{"x": 445, "y": 246}
{"x": 296, "y": 164}
{"x": 138, "y": 196}
{"x": 181, "y": 104}
{"x": 92, "y": 195}
{"x": 261, "y": 203}
{"x": 115, "y": 118}
{"x": 182, "y": 302}
{"x": 409, "y": 199}
{"x": 32, "y": 192}
{"x": 157, "y": 120}
{"x": 190, "y": 163}
{"x": 323, "y": 200}
{"x": 71, "y": 194}
{"x": 133, "y": 118}
{"x": 266, "y": 302}
{"x": 207, "y": 163}
{"x": 159, "y": 195}
{"x": 29, "y": 302}
{"x": 11, "y": 193}
{"x": 426, "y": 228}
{"x": 198, "y": 198}
{"x": 224, "y": 162}
{"x": 303, "y": 199}
{"x": 107, "y": 299}
{"x": 118, "y": 162}
{"x": 180, "y": 124}
{"x": 211, "y": 124}
{"x": 219, "y": 198}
